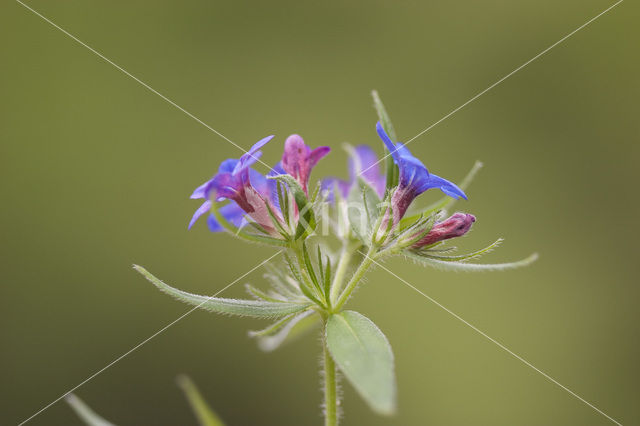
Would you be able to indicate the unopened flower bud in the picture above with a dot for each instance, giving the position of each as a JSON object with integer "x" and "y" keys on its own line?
{"x": 455, "y": 226}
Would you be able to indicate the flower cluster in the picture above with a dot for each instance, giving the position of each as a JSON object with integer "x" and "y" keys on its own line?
{"x": 372, "y": 214}
{"x": 255, "y": 198}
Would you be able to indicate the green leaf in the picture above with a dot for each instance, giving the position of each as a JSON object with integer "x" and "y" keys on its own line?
{"x": 250, "y": 308}
{"x": 302, "y": 201}
{"x": 261, "y": 295}
{"x": 392, "y": 169}
{"x": 327, "y": 279}
{"x": 285, "y": 330}
{"x": 86, "y": 414}
{"x": 364, "y": 355}
{"x": 363, "y": 210}
{"x": 282, "y": 283}
{"x": 283, "y": 200}
{"x": 205, "y": 415}
{"x": 309, "y": 266}
{"x": 461, "y": 257}
{"x": 470, "y": 267}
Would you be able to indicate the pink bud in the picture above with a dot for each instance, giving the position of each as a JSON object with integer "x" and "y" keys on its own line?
{"x": 455, "y": 226}
{"x": 298, "y": 159}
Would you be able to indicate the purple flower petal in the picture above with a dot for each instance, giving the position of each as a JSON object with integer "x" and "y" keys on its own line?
{"x": 364, "y": 164}
{"x": 251, "y": 156}
{"x": 205, "y": 207}
{"x": 231, "y": 212}
{"x": 445, "y": 186}
{"x": 317, "y": 155}
{"x": 414, "y": 177}
{"x": 298, "y": 159}
{"x": 331, "y": 183}
{"x": 199, "y": 192}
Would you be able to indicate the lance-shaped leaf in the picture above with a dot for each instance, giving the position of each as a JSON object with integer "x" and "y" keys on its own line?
{"x": 363, "y": 210}
{"x": 86, "y": 414}
{"x": 364, "y": 356}
{"x": 307, "y": 221}
{"x": 285, "y": 330}
{"x": 470, "y": 267}
{"x": 392, "y": 169}
{"x": 250, "y": 308}
{"x": 205, "y": 415}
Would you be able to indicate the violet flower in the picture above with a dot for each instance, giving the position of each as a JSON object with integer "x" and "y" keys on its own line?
{"x": 363, "y": 163}
{"x": 249, "y": 192}
{"x": 414, "y": 177}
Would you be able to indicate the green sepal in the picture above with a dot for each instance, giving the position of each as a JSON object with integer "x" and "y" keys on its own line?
{"x": 240, "y": 307}
{"x": 263, "y": 239}
{"x": 390, "y": 166}
{"x": 309, "y": 267}
{"x": 203, "y": 412}
{"x": 276, "y": 222}
{"x": 283, "y": 200}
{"x": 422, "y": 227}
{"x": 364, "y": 356}
{"x": 363, "y": 210}
{"x": 305, "y": 209}
{"x": 327, "y": 280}
{"x": 304, "y": 288}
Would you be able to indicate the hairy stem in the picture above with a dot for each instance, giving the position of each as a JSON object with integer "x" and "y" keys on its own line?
{"x": 330, "y": 388}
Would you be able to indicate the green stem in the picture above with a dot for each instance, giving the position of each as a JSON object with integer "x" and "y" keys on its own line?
{"x": 330, "y": 387}
{"x": 297, "y": 250}
{"x": 346, "y": 256}
{"x": 357, "y": 276}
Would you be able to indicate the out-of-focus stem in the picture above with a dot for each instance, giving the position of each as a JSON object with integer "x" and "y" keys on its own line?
{"x": 357, "y": 276}
{"x": 346, "y": 256}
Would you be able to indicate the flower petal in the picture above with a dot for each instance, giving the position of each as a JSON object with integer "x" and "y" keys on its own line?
{"x": 364, "y": 163}
{"x": 331, "y": 183}
{"x": 449, "y": 188}
{"x": 298, "y": 159}
{"x": 317, "y": 154}
{"x": 387, "y": 142}
{"x": 199, "y": 192}
{"x": 251, "y": 156}
{"x": 205, "y": 207}
{"x": 232, "y": 212}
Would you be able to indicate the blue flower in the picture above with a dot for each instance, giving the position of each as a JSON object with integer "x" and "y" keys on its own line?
{"x": 249, "y": 192}
{"x": 414, "y": 177}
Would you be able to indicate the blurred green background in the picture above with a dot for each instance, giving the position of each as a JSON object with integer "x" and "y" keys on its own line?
{"x": 96, "y": 172}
